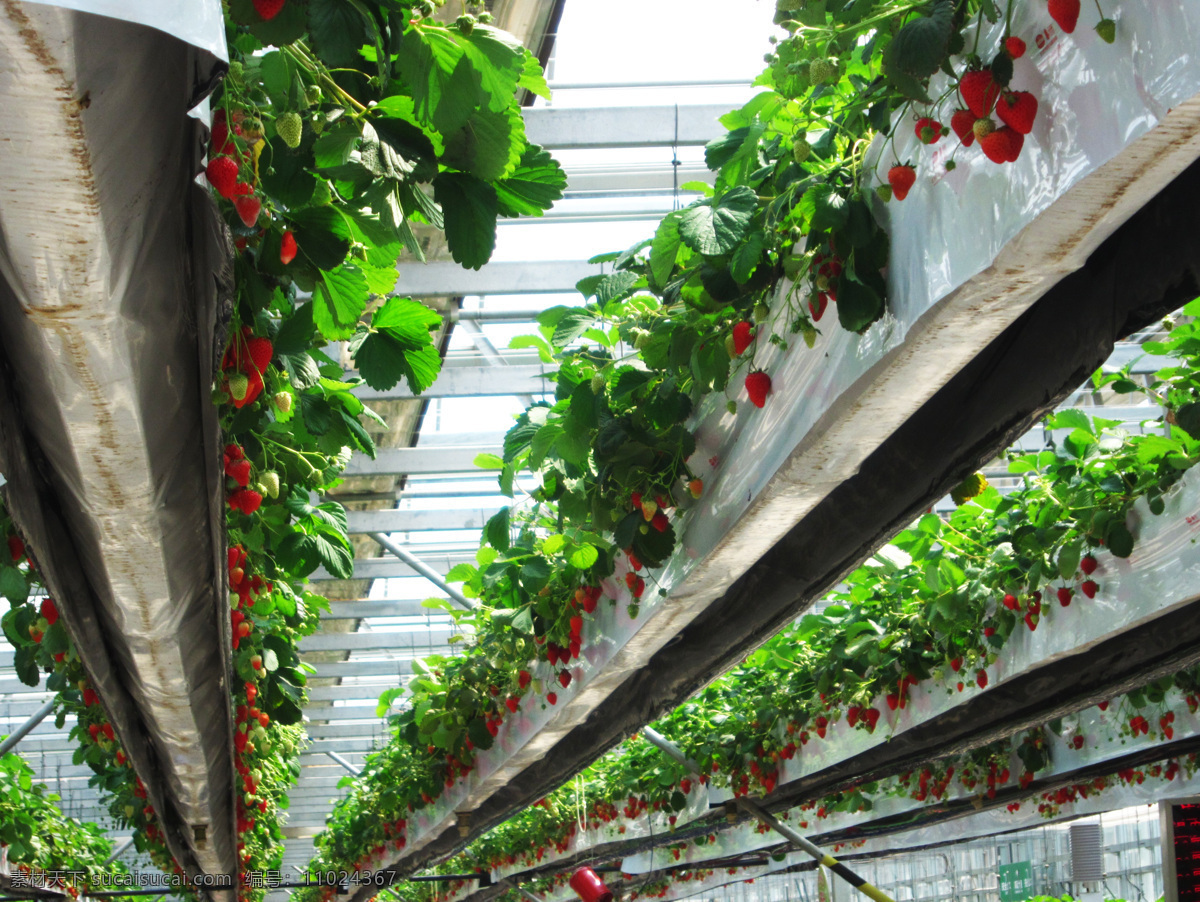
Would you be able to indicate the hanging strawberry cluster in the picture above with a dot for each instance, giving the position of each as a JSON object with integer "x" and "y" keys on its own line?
{"x": 989, "y": 108}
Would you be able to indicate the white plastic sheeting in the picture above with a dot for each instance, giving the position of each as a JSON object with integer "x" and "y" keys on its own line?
{"x": 197, "y": 22}
{"x": 1094, "y": 100}
{"x": 106, "y": 318}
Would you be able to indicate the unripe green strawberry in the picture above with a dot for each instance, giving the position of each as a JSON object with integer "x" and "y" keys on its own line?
{"x": 822, "y": 71}
{"x": 290, "y": 127}
{"x": 761, "y": 312}
{"x": 312, "y": 95}
{"x": 283, "y": 401}
{"x": 729, "y": 348}
{"x": 1107, "y": 30}
{"x": 731, "y": 406}
{"x": 598, "y": 383}
{"x": 983, "y": 127}
{"x": 236, "y": 72}
{"x": 465, "y": 23}
{"x": 239, "y": 384}
{"x": 270, "y": 483}
{"x": 643, "y": 339}
{"x": 884, "y": 192}
{"x": 801, "y": 149}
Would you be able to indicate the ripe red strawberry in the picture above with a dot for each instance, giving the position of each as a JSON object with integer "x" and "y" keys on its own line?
{"x": 287, "y": 248}
{"x": 979, "y": 91}
{"x": 1031, "y": 621}
{"x": 1088, "y": 587}
{"x": 245, "y": 500}
{"x": 1088, "y": 565}
{"x": 743, "y": 335}
{"x": 929, "y": 131}
{"x": 758, "y": 386}
{"x": 871, "y": 716}
{"x": 1014, "y": 47}
{"x": 1064, "y": 596}
{"x": 893, "y": 700}
{"x": 1017, "y": 109}
{"x": 248, "y": 209}
{"x": 817, "y": 304}
{"x": 222, "y": 174}
{"x": 1010, "y": 602}
{"x": 989, "y": 631}
{"x": 1003, "y": 145}
{"x": 956, "y": 664}
{"x": 523, "y": 678}
{"x": 16, "y": 548}
{"x": 512, "y": 704}
{"x": 660, "y": 522}
{"x": 576, "y": 626}
{"x": 1077, "y": 741}
{"x": 260, "y": 351}
{"x": 963, "y": 123}
{"x": 901, "y": 178}
{"x": 268, "y": 9}
{"x": 239, "y": 471}
{"x": 552, "y": 698}
{"x": 50, "y": 611}
{"x": 852, "y": 715}
{"x": 564, "y": 678}
{"x": 90, "y": 698}
{"x": 981, "y": 678}
{"x": 1065, "y": 13}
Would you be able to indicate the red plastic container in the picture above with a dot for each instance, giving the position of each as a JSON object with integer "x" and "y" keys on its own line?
{"x": 590, "y": 887}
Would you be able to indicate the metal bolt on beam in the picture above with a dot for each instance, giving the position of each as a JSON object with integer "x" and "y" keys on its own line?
{"x": 871, "y": 891}
{"x": 424, "y": 569}
{"x": 24, "y": 729}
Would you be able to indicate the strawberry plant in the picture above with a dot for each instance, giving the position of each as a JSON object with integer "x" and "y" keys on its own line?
{"x": 39, "y": 837}
{"x": 945, "y": 600}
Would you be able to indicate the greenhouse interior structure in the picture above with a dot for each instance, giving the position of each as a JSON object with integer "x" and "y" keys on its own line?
{"x": 539, "y": 450}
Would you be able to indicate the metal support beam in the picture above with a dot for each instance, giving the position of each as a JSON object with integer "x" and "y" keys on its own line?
{"x": 667, "y": 125}
{"x": 443, "y": 520}
{"x": 119, "y": 850}
{"x": 665, "y": 745}
{"x": 23, "y": 730}
{"x": 494, "y": 357}
{"x": 471, "y": 381}
{"x": 417, "y": 461}
{"x": 448, "y": 279}
{"x": 424, "y": 569}
{"x": 344, "y": 763}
